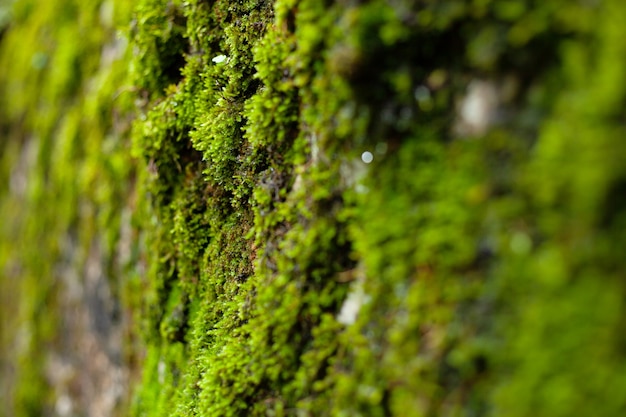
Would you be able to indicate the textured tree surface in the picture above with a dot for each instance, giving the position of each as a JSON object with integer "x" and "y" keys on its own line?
{"x": 313, "y": 208}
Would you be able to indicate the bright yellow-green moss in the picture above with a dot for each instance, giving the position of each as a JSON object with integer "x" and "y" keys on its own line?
{"x": 65, "y": 174}
{"x": 473, "y": 266}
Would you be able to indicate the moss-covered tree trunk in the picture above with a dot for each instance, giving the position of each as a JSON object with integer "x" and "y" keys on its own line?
{"x": 311, "y": 208}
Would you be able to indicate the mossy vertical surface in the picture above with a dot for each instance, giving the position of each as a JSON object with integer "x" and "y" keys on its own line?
{"x": 66, "y": 178}
{"x": 376, "y": 208}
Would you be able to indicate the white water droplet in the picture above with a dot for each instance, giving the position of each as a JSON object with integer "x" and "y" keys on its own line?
{"x": 367, "y": 157}
{"x": 219, "y": 59}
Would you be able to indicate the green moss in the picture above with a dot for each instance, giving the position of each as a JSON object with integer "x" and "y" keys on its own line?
{"x": 68, "y": 181}
{"x": 288, "y": 223}
{"x": 472, "y": 267}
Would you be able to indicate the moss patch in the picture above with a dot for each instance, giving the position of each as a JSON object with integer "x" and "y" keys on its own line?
{"x": 382, "y": 208}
